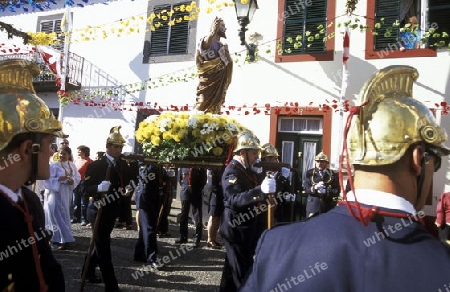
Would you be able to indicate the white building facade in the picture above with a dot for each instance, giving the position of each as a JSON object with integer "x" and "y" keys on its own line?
{"x": 289, "y": 96}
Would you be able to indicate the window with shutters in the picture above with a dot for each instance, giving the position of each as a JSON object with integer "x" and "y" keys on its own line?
{"x": 386, "y": 43}
{"x": 302, "y": 30}
{"x": 52, "y": 23}
{"x": 170, "y": 38}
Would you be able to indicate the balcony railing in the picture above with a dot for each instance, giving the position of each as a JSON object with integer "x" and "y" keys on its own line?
{"x": 46, "y": 80}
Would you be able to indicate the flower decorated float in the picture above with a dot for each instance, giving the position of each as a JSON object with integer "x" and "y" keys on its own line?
{"x": 191, "y": 138}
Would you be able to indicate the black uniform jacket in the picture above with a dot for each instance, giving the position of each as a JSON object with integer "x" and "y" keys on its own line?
{"x": 16, "y": 255}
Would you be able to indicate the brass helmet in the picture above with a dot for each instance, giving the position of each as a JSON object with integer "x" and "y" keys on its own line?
{"x": 267, "y": 150}
{"x": 115, "y": 137}
{"x": 392, "y": 120}
{"x": 321, "y": 157}
{"x": 246, "y": 140}
{"x": 21, "y": 110}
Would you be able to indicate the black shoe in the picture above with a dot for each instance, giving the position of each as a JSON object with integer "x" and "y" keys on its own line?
{"x": 181, "y": 241}
{"x": 74, "y": 221}
{"x": 196, "y": 244}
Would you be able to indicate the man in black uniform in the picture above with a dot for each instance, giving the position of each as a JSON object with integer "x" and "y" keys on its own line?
{"x": 192, "y": 181}
{"x": 284, "y": 199}
{"x": 27, "y": 129}
{"x": 107, "y": 180}
{"x": 322, "y": 186}
{"x": 244, "y": 197}
{"x": 149, "y": 193}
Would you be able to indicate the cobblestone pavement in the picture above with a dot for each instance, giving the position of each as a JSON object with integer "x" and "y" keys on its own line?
{"x": 188, "y": 269}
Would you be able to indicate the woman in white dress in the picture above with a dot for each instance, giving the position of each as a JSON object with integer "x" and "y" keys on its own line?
{"x": 64, "y": 177}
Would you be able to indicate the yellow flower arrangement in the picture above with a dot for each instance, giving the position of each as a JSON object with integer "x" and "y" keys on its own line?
{"x": 178, "y": 135}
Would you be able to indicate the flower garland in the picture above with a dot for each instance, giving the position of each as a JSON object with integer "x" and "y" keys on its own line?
{"x": 179, "y": 135}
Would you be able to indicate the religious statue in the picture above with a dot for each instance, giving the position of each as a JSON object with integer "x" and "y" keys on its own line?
{"x": 215, "y": 67}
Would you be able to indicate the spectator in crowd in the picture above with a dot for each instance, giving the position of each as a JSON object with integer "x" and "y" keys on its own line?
{"x": 322, "y": 186}
{"x": 192, "y": 180}
{"x": 243, "y": 194}
{"x": 107, "y": 180}
{"x": 375, "y": 239}
{"x": 29, "y": 264}
{"x": 410, "y": 35}
{"x": 59, "y": 187}
{"x": 64, "y": 143}
{"x": 443, "y": 218}
{"x": 80, "y": 201}
{"x": 214, "y": 194}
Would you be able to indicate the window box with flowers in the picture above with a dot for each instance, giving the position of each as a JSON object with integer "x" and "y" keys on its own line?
{"x": 175, "y": 136}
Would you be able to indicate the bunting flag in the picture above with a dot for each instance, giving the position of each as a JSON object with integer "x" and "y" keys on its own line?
{"x": 53, "y": 59}
{"x": 346, "y": 51}
{"x": 344, "y": 84}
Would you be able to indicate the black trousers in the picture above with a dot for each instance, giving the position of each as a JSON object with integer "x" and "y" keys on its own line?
{"x": 125, "y": 214}
{"x": 102, "y": 243}
{"x": 184, "y": 217}
{"x": 146, "y": 247}
{"x": 238, "y": 262}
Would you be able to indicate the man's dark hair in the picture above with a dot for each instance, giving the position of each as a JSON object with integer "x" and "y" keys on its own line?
{"x": 19, "y": 139}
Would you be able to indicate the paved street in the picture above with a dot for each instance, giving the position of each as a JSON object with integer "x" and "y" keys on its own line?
{"x": 188, "y": 269}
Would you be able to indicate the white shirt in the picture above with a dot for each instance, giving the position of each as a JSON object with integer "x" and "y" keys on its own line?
{"x": 13, "y": 195}
{"x": 381, "y": 199}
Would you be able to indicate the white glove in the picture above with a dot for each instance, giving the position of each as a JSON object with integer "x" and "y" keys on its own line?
{"x": 289, "y": 198}
{"x": 103, "y": 186}
{"x": 285, "y": 172}
{"x": 268, "y": 185}
{"x": 318, "y": 185}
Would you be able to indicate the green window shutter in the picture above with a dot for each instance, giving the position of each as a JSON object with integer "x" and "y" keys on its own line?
{"x": 389, "y": 10}
{"x": 179, "y": 33}
{"x": 170, "y": 40}
{"x": 302, "y": 19}
{"x": 439, "y": 11}
{"x": 49, "y": 26}
{"x": 159, "y": 37}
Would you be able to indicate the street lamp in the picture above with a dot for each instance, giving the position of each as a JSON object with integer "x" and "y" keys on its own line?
{"x": 244, "y": 12}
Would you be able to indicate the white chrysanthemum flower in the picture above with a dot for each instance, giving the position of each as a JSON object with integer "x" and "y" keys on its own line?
{"x": 192, "y": 122}
{"x": 164, "y": 123}
{"x": 231, "y": 127}
{"x": 151, "y": 118}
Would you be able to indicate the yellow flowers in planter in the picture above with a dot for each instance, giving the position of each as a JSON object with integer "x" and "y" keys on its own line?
{"x": 178, "y": 135}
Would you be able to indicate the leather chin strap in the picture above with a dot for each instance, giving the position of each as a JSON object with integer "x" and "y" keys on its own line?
{"x": 35, "y": 149}
{"x": 421, "y": 177}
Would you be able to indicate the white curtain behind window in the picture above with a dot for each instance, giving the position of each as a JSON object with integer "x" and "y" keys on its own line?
{"x": 309, "y": 152}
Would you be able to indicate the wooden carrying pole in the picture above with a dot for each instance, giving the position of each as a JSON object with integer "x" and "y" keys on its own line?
{"x": 270, "y": 213}
{"x": 200, "y": 161}
{"x": 87, "y": 260}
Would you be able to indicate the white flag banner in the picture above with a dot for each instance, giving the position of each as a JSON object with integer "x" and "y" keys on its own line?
{"x": 53, "y": 59}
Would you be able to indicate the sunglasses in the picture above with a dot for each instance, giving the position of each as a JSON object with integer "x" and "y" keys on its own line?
{"x": 437, "y": 159}
{"x": 65, "y": 143}
{"x": 117, "y": 146}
